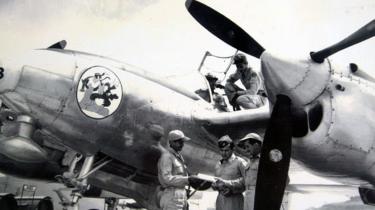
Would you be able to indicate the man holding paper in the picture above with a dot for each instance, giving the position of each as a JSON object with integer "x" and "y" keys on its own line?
{"x": 172, "y": 173}
{"x": 229, "y": 172}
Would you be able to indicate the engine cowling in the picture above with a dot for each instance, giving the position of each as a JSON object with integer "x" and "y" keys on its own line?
{"x": 20, "y": 146}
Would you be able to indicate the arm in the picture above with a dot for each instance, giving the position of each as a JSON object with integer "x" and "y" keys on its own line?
{"x": 255, "y": 84}
{"x": 235, "y": 185}
{"x": 166, "y": 176}
{"x": 230, "y": 84}
{"x": 231, "y": 89}
{"x": 238, "y": 185}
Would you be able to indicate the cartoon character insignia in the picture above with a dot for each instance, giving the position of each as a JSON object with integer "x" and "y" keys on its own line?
{"x": 99, "y": 92}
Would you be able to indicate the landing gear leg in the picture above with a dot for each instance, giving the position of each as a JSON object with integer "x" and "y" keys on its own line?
{"x": 71, "y": 202}
{"x": 68, "y": 202}
{"x": 77, "y": 181}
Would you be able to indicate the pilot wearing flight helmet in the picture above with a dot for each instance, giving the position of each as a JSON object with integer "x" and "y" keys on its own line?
{"x": 239, "y": 98}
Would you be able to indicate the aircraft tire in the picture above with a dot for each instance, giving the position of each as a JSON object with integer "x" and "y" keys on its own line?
{"x": 8, "y": 202}
{"x": 45, "y": 204}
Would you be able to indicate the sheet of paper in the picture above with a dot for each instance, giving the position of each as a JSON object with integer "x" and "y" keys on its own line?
{"x": 206, "y": 177}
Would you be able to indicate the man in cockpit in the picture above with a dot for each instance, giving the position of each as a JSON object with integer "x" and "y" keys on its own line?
{"x": 218, "y": 99}
{"x": 239, "y": 98}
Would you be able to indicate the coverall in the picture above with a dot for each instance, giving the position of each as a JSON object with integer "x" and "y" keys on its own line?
{"x": 173, "y": 177}
{"x": 231, "y": 170}
{"x": 252, "y": 82}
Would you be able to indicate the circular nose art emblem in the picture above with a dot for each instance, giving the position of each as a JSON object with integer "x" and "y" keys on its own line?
{"x": 99, "y": 92}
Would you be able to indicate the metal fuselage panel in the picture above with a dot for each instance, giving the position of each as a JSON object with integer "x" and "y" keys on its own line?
{"x": 342, "y": 146}
{"x": 51, "y": 94}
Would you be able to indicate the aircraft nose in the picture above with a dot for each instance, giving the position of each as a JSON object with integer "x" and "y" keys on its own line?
{"x": 302, "y": 80}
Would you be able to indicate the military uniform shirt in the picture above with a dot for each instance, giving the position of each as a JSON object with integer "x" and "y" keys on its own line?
{"x": 233, "y": 171}
{"x": 251, "y": 172}
{"x": 172, "y": 171}
{"x": 249, "y": 78}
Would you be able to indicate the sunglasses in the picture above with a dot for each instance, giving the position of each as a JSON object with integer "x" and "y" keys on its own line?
{"x": 223, "y": 144}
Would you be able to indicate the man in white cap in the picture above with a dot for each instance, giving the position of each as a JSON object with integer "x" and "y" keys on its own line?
{"x": 250, "y": 146}
{"x": 230, "y": 171}
{"x": 172, "y": 173}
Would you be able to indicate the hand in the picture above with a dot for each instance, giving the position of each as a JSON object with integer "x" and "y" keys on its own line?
{"x": 220, "y": 184}
{"x": 217, "y": 185}
{"x": 226, "y": 191}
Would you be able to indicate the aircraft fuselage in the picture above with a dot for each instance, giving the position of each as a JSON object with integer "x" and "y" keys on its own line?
{"x": 92, "y": 104}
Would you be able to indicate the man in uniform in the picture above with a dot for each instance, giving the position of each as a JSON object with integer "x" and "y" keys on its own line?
{"x": 250, "y": 146}
{"x": 239, "y": 98}
{"x": 229, "y": 171}
{"x": 172, "y": 173}
{"x": 218, "y": 99}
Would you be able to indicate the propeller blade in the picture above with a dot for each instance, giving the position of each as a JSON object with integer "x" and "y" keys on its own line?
{"x": 224, "y": 28}
{"x": 362, "y": 34}
{"x": 275, "y": 157}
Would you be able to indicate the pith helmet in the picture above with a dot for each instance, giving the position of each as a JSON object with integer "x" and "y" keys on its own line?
{"x": 252, "y": 137}
{"x": 176, "y": 135}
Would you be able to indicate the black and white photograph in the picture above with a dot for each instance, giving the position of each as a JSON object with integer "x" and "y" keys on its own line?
{"x": 187, "y": 105}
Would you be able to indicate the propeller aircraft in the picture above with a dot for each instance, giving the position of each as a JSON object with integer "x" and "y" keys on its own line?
{"x": 86, "y": 120}
{"x": 322, "y": 115}
{"x": 89, "y": 121}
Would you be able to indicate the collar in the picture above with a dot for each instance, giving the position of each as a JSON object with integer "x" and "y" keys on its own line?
{"x": 176, "y": 154}
{"x": 230, "y": 159}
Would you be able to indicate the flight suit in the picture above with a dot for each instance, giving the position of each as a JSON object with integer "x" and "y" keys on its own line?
{"x": 173, "y": 177}
{"x": 231, "y": 171}
{"x": 250, "y": 180}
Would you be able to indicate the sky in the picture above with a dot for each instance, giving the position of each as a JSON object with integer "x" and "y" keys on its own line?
{"x": 162, "y": 37}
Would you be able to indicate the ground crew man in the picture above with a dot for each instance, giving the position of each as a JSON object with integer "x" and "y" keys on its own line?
{"x": 250, "y": 146}
{"x": 229, "y": 171}
{"x": 249, "y": 98}
{"x": 172, "y": 173}
{"x": 157, "y": 134}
